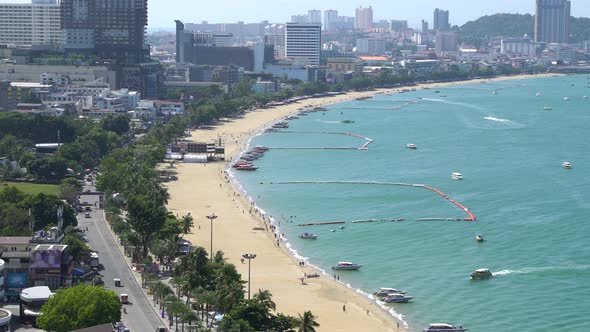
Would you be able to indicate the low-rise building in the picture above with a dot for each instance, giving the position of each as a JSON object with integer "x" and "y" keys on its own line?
{"x": 265, "y": 87}
{"x": 345, "y": 65}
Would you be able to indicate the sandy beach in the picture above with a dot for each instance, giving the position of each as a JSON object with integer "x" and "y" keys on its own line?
{"x": 203, "y": 189}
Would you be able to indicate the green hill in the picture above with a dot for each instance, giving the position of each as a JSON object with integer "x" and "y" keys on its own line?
{"x": 514, "y": 25}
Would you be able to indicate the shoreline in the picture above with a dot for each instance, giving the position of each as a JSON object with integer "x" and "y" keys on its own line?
{"x": 209, "y": 188}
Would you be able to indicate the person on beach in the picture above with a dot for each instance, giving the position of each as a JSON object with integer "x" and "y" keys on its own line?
{"x": 344, "y": 307}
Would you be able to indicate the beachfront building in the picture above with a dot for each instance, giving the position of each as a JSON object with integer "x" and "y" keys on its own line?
{"x": 552, "y": 21}
{"x": 518, "y": 46}
{"x": 36, "y": 23}
{"x": 303, "y": 42}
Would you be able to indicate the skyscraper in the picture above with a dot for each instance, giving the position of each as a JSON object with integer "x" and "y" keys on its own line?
{"x": 111, "y": 29}
{"x": 314, "y": 16}
{"x": 424, "y": 26}
{"x": 330, "y": 17}
{"x": 35, "y": 23}
{"x": 364, "y": 18}
{"x": 299, "y": 19}
{"x": 552, "y": 21}
{"x": 303, "y": 42}
{"x": 441, "y": 20}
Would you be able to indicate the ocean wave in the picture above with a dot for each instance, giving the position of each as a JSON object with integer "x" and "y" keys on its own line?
{"x": 530, "y": 270}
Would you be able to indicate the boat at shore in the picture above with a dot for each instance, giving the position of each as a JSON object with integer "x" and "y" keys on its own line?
{"x": 308, "y": 236}
{"x": 444, "y": 327}
{"x": 411, "y": 146}
{"x": 383, "y": 292}
{"x": 481, "y": 274}
{"x": 566, "y": 165}
{"x": 346, "y": 266}
{"x": 456, "y": 176}
{"x": 397, "y": 298}
{"x": 249, "y": 167}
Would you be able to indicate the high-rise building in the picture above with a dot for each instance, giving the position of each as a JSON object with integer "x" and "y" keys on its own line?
{"x": 303, "y": 42}
{"x": 314, "y": 16}
{"x": 552, "y": 21}
{"x": 301, "y": 19}
{"x": 424, "y": 26}
{"x": 398, "y": 25}
{"x": 36, "y": 23}
{"x": 446, "y": 42}
{"x": 330, "y": 18}
{"x": 110, "y": 29}
{"x": 441, "y": 20}
{"x": 364, "y": 18}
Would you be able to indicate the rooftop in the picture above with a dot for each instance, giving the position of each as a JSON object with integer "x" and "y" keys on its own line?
{"x": 15, "y": 240}
{"x": 35, "y": 293}
{"x": 59, "y": 247}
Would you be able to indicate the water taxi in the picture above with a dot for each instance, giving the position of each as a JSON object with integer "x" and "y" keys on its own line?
{"x": 481, "y": 274}
{"x": 346, "y": 266}
{"x": 308, "y": 236}
{"x": 456, "y": 176}
{"x": 567, "y": 164}
{"x": 566, "y": 98}
{"x": 386, "y": 291}
{"x": 397, "y": 298}
{"x": 411, "y": 146}
{"x": 547, "y": 108}
{"x": 249, "y": 167}
{"x": 444, "y": 327}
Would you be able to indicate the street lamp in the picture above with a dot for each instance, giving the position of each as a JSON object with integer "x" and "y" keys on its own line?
{"x": 211, "y": 217}
{"x": 249, "y": 257}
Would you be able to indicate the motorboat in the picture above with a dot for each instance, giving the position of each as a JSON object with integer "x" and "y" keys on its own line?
{"x": 538, "y": 94}
{"x": 308, "y": 236}
{"x": 547, "y": 108}
{"x": 566, "y": 98}
{"x": 383, "y": 292}
{"x": 347, "y": 121}
{"x": 456, "y": 176}
{"x": 444, "y": 327}
{"x": 479, "y": 238}
{"x": 481, "y": 274}
{"x": 567, "y": 164}
{"x": 437, "y": 91}
{"x": 346, "y": 266}
{"x": 411, "y": 146}
{"x": 397, "y": 298}
{"x": 247, "y": 168}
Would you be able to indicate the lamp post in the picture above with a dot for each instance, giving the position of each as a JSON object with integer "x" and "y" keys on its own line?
{"x": 249, "y": 257}
{"x": 211, "y": 217}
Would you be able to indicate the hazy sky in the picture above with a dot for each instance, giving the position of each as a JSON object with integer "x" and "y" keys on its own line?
{"x": 162, "y": 13}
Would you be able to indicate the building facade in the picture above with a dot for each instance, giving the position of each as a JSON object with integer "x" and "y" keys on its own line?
{"x": 518, "y": 46}
{"x": 552, "y": 21}
{"x": 446, "y": 43}
{"x": 110, "y": 29}
{"x": 314, "y": 16}
{"x": 441, "y": 20}
{"x": 330, "y": 18}
{"x": 303, "y": 42}
{"x": 30, "y": 24}
{"x": 398, "y": 25}
{"x": 364, "y": 18}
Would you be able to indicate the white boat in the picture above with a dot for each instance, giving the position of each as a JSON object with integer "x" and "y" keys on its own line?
{"x": 308, "y": 236}
{"x": 346, "y": 266}
{"x": 387, "y": 291}
{"x": 547, "y": 108}
{"x": 481, "y": 274}
{"x": 397, "y": 298}
{"x": 538, "y": 94}
{"x": 566, "y": 98}
{"x": 411, "y": 146}
{"x": 567, "y": 164}
{"x": 456, "y": 176}
{"x": 479, "y": 238}
{"x": 444, "y": 327}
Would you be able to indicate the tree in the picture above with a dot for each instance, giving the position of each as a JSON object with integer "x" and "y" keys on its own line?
{"x": 115, "y": 123}
{"x": 78, "y": 249}
{"x": 70, "y": 188}
{"x": 264, "y": 296}
{"x": 307, "y": 322}
{"x": 187, "y": 223}
{"x": 145, "y": 218}
{"x": 79, "y": 307}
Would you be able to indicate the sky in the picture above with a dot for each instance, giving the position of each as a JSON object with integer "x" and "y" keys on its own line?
{"x": 162, "y": 13}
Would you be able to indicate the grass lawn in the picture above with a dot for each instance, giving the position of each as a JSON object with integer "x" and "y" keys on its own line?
{"x": 33, "y": 188}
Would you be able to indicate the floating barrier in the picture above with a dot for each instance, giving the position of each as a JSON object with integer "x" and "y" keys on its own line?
{"x": 471, "y": 216}
{"x": 323, "y": 223}
{"x": 363, "y": 147}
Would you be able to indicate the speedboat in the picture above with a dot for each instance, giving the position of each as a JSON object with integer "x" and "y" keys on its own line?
{"x": 397, "y": 298}
{"x": 411, "y": 146}
{"x": 567, "y": 164}
{"x": 347, "y": 121}
{"x": 479, "y": 238}
{"x": 547, "y": 108}
{"x": 383, "y": 292}
{"x": 538, "y": 94}
{"x": 566, "y": 98}
{"x": 247, "y": 168}
{"x": 456, "y": 176}
{"x": 346, "y": 266}
{"x": 444, "y": 327}
{"x": 481, "y": 274}
{"x": 308, "y": 236}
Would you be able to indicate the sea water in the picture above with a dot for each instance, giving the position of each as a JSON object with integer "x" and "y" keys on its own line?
{"x": 534, "y": 214}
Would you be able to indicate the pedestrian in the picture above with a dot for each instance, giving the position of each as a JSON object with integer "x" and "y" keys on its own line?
{"x": 337, "y": 277}
{"x": 344, "y": 307}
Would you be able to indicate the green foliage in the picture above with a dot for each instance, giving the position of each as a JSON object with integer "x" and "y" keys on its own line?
{"x": 51, "y": 168}
{"x": 116, "y": 123}
{"x": 307, "y": 322}
{"x": 79, "y": 307}
{"x": 38, "y": 128}
{"x": 44, "y": 211}
{"x": 70, "y": 188}
{"x": 78, "y": 249}
{"x": 580, "y": 29}
{"x": 145, "y": 218}
{"x": 498, "y": 25}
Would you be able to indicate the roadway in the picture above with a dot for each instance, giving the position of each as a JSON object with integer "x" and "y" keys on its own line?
{"x": 141, "y": 315}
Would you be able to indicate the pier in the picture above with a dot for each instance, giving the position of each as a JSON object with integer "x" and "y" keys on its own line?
{"x": 470, "y": 215}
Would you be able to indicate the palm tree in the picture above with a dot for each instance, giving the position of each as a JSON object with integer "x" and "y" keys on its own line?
{"x": 229, "y": 294}
{"x": 187, "y": 223}
{"x": 188, "y": 316}
{"x": 264, "y": 297}
{"x": 307, "y": 322}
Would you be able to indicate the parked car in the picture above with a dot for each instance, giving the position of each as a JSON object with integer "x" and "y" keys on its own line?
{"x": 87, "y": 215}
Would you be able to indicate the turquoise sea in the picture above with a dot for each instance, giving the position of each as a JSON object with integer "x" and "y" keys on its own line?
{"x": 534, "y": 214}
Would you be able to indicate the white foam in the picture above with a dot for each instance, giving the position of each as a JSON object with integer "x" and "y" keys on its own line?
{"x": 491, "y": 118}
{"x": 527, "y": 270}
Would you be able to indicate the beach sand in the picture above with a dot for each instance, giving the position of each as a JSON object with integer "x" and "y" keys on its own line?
{"x": 203, "y": 189}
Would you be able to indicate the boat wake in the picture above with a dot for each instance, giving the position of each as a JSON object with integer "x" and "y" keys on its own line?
{"x": 467, "y": 105}
{"x": 332, "y": 122}
{"x": 531, "y": 270}
{"x": 491, "y": 118}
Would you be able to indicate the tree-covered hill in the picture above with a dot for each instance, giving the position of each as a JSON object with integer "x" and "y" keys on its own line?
{"x": 514, "y": 25}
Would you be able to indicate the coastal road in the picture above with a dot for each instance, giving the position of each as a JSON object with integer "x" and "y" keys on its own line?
{"x": 141, "y": 315}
